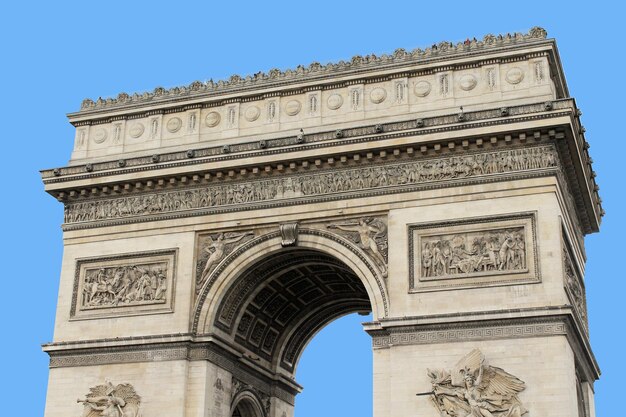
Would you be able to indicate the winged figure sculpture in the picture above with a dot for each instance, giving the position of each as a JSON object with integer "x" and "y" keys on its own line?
{"x": 108, "y": 400}
{"x": 476, "y": 389}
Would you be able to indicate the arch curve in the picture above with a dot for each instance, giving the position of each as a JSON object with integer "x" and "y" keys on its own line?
{"x": 247, "y": 404}
{"x": 271, "y": 300}
{"x": 246, "y": 255}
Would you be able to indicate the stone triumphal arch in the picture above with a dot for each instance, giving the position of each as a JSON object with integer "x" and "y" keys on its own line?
{"x": 211, "y": 230}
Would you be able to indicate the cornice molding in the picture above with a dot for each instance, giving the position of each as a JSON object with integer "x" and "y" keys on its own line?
{"x": 324, "y": 139}
{"x": 315, "y": 71}
{"x": 177, "y": 351}
{"x": 554, "y": 321}
{"x": 573, "y": 151}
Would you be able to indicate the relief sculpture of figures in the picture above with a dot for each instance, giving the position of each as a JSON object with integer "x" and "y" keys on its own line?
{"x": 309, "y": 185}
{"x": 473, "y": 252}
{"x": 108, "y": 400}
{"x": 476, "y": 389}
{"x": 125, "y": 285}
{"x": 214, "y": 251}
{"x": 574, "y": 288}
{"x": 371, "y": 237}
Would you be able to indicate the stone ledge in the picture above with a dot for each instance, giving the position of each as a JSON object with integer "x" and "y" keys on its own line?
{"x": 274, "y": 146}
{"x": 516, "y": 323}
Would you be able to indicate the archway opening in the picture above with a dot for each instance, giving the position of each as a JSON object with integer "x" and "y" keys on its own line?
{"x": 275, "y": 302}
{"x": 278, "y": 304}
{"x": 246, "y": 407}
{"x": 336, "y": 371}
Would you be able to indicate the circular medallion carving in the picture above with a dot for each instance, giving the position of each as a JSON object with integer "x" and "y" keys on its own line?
{"x": 212, "y": 119}
{"x": 293, "y": 107}
{"x": 422, "y": 88}
{"x": 100, "y": 136}
{"x": 136, "y": 130}
{"x": 334, "y": 101}
{"x": 252, "y": 113}
{"x": 514, "y": 76}
{"x": 378, "y": 95}
{"x": 467, "y": 82}
{"x": 174, "y": 124}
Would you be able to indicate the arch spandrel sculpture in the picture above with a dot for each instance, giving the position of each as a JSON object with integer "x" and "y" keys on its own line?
{"x": 212, "y": 230}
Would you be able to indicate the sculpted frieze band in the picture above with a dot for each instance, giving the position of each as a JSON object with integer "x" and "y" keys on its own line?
{"x": 427, "y": 171}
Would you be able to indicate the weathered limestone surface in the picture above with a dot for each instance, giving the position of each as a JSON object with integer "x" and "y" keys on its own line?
{"x": 211, "y": 230}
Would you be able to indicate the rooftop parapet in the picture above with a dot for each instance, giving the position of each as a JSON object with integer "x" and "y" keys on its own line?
{"x": 316, "y": 71}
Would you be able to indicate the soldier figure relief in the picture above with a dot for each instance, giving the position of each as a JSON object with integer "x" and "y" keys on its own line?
{"x": 476, "y": 389}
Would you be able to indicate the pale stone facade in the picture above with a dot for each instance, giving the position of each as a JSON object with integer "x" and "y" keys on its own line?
{"x": 211, "y": 230}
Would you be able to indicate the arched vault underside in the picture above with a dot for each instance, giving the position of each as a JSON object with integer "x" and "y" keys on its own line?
{"x": 275, "y": 304}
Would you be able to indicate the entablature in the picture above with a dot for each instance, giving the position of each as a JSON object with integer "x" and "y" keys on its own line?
{"x": 445, "y": 139}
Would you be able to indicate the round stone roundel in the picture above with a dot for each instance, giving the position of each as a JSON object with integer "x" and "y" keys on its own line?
{"x": 100, "y": 136}
{"x": 174, "y": 124}
{"x": 252, "y": 113}
{"x": 212, "y": 119}
{"x": 378, "y": 95}
{"x": 467, "y": 82}
{"x": 514, "y": 76}
{"x": 293, "y": 107}
{"x": 136, "y": 130}
{"x": 334, "y": 101}
{"x": 422, "y": 88}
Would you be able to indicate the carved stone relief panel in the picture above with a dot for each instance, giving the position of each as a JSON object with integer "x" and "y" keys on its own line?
{"x": 130, "y": 284}
{"x": 475, "y": 388}
{"x": 473, "y": 252}
{"x": 111, "y": 400}
{"x": 219, "y": 397}
{"x": 81, "y": 138}
{"x": 574, "y": 285}
{"x": 212, "y": 248}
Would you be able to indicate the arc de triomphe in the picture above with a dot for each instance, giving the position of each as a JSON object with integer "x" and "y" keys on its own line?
{"x": 211, "y": 230}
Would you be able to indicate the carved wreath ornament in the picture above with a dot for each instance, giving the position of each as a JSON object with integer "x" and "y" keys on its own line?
{"x": 476, "y": 389}
{"x": 108, "y": 400}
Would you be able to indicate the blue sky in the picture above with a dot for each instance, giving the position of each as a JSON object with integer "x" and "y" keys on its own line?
{"x": 54, "y": 54}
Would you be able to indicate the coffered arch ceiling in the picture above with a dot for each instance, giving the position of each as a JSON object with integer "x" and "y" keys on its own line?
{"x": 279, "y": 303}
